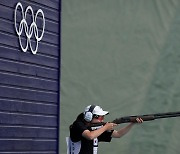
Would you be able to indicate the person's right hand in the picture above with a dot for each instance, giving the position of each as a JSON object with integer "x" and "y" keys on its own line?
{"x": 109, "y": 126}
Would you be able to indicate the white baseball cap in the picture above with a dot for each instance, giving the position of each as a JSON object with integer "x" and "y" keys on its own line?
{"x": 96, "y": 111}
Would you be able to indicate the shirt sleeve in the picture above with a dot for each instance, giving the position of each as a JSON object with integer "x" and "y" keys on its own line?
{"x": 76, "y": 131}
{"x": 105, "y": 137}
{"x": 80, "y": 127}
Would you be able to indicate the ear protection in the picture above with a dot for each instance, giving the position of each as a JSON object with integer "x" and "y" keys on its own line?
{"x": 88, "y": 115}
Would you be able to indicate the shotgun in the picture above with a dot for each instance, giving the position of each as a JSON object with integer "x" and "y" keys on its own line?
{"x": 147, "y": 117}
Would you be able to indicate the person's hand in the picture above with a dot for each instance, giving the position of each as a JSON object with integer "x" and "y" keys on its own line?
{"x": 110, "y": 126}
{"x": 139, "y": 120}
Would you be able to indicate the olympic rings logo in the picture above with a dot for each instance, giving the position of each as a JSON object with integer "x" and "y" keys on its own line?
{"x": 29, "y": 30}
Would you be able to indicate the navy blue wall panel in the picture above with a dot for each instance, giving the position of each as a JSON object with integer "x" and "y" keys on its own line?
{"x": 29, "y": 83}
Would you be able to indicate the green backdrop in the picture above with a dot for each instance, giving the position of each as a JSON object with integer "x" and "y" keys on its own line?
{"x": 123, "y": 55}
